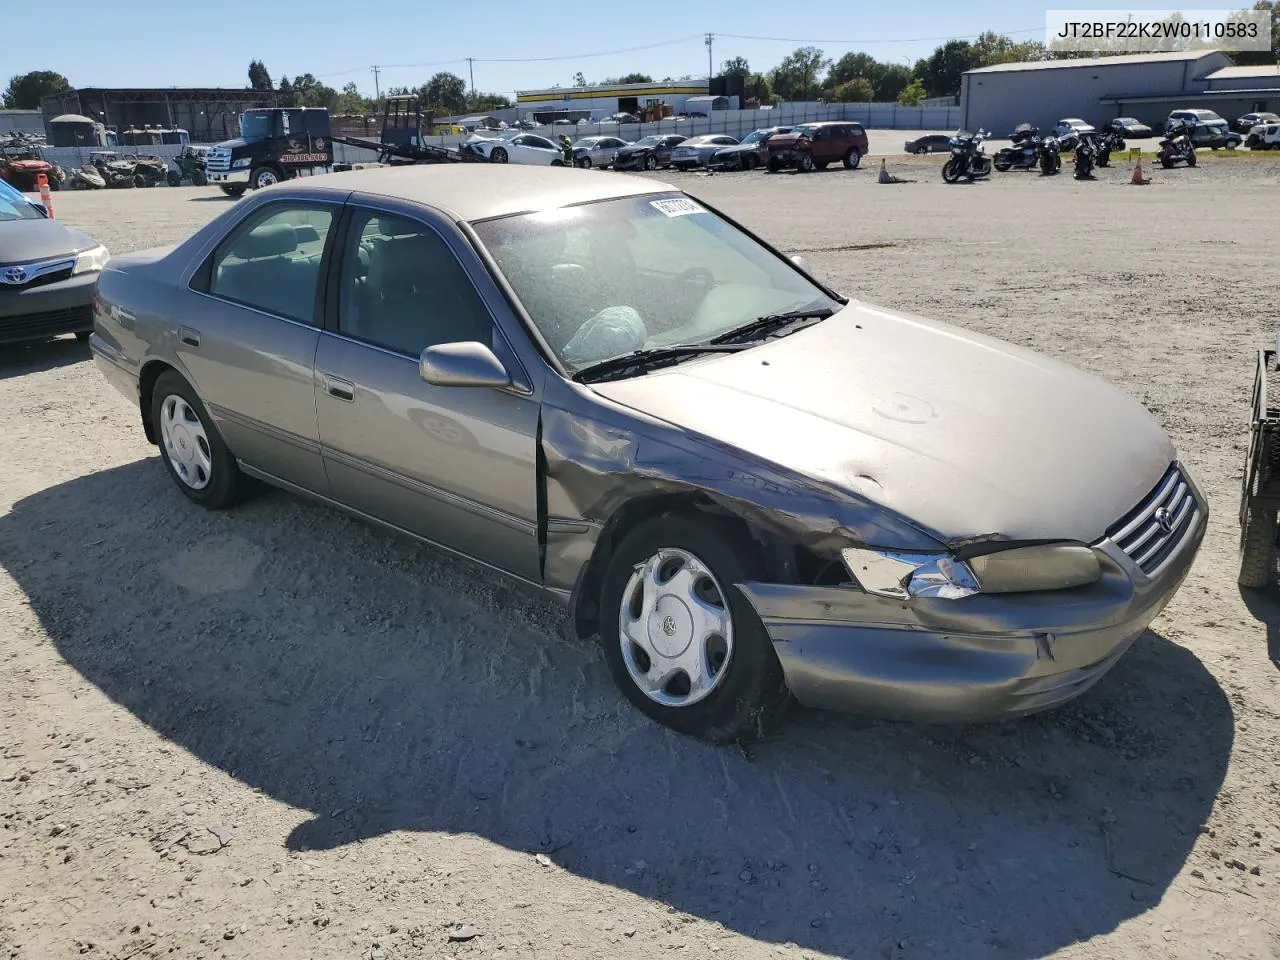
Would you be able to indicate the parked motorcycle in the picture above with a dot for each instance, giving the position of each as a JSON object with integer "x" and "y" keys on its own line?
{"x": 968, "y": 160}
{"x": 1086, "y": 156}
{"x": 1050, "y": 156}
{"x": 1108, "y": 142}
{"x": 1024, "y": 153}
{"x": 1176, "y": 147}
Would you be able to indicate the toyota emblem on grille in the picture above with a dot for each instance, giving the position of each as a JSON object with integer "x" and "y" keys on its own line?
{"x": 14, "y": 275}
{"x": 1164, "y": 519}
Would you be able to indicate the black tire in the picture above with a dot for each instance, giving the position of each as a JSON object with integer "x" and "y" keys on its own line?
{"x": 174, "y": 178}
{"x": 1257, "y": 546}
{"x": 1167, "y": 163}
{"x": 1191, "y": 159}
{"x": 262, "y": 177}
{"x": 499, "y": 155}
{"x": 651, "y": 162}
{"x": 226, "y": 484}
{"x": 750, "y": 695}
{"x": 54, "y": 184}
{"x": 198, "y": 179}
{"x": 951, "y": 171}
{"x": 1003, "y": 164}
{"x": 83, "y": 335}
{"x": 139, "y": 180}
{"x": 585, "y": 163}
{"x": 852, "y": 159}
{"x": 774, "y": 165}
{"x": 235, "y": 190}
{"x": 921, "y": 151}
{"x": 557, "y": 163}
{"x": 804, "y": 163}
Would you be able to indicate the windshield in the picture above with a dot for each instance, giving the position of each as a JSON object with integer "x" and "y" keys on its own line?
{"x": 14, "y": 206}
{"x": 648, "y": 142}
{"x": 255, "y": 124}
{"x": 604, "y": 279}
{"x": 586, "y": 144}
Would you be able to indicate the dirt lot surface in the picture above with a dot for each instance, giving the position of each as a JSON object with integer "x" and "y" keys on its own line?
{"x": 277, "y": 732}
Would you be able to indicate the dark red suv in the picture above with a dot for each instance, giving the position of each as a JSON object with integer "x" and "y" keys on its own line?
{"x": 813, "y": 145}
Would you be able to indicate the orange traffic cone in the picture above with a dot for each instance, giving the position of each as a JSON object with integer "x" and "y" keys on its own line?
{"x": 1138, "y": 180}
{"x": 42, "y": 181}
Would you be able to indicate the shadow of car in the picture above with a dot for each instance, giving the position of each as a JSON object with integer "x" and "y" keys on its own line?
{"x": 383, "y": 687}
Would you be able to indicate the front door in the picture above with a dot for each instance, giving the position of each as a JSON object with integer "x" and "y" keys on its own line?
{"x": 250, "y": 342}
{"x": 455, "y": 465}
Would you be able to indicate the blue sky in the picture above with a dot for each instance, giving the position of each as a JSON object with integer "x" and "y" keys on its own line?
{"x": 94, "y": 47}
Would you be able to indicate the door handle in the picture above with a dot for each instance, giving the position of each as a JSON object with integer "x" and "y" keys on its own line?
{"x": 339, "y": 388}
{"x": 188, "y": 336}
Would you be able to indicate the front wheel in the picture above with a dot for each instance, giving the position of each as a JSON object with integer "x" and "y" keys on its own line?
{"x": 651, "y": 163}
{"x": 1003, "y": 164}
{"x": 686, "y": 648}
{"x": 951, "y": 171}
{"x": 264, "y": 177}
{"x": 774, "y": 165}
{"x": 174, "y": 178}
{"x": 804, "y": 163}
{"x": 191, "y": 447}
{"x": 585, "y": 163}
{"x": 198, "y": 179}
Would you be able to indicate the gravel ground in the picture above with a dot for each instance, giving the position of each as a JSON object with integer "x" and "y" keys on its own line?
{"x": 279, "y": 732}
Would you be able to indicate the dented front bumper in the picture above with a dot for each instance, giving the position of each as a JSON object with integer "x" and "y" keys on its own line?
{"x": 979, "y": 658}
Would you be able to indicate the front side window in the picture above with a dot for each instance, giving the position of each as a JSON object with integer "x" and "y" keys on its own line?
{"x": 603, "y": 279}
{"x": 256, "y": 124}
{"x": 403, "y": 289}
{"x": 272, "y": 261}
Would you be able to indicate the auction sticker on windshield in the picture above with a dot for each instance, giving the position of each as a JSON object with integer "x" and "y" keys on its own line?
{"x": 681, "y": 207}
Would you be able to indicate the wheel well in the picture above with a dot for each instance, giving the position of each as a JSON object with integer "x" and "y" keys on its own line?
{"x": 146, "y": 386}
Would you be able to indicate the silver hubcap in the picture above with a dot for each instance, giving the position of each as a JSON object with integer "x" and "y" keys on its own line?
{"x": 185, "y": 442}
{"x": 266, "y": 178}
{"x": 675, "y": 628}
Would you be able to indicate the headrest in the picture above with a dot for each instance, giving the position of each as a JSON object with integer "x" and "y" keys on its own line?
{"x": 267, "y": 241}
{"x": 305, "y": 233}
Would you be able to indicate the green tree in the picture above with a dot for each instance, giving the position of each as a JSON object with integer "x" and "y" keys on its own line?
{"x": 912, "y": 94}
{"x": 890, "y": 80}
{"x": 857, "y": 90}
{"x": 941, "y": 72}
{"x": 259, "y": 78}
{"x": 310, "y": 92}
{"x": 736, "y": 67}
{"x": 26, "y": 90}
{"x": 351, "y": 102}
{"x": 796, "y": 77}
{"x": 1251, "y": 58}
{"x": 635, "y": 78}
{"x": 488, "y": 101}
{"x": 849, "y": 66}
{"x": 757, "y": 89}
{"x": 445, "y": 94}
{"x": 579, "y": 80}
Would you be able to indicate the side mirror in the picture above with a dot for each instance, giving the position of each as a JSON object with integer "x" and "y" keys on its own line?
{"x": 467, "y": 364}
{"x": 802, "y": 263}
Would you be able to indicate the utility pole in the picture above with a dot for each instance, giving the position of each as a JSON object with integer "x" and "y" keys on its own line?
{"x": 707, "y": 41}
{"x": 377, "y": 90}
{"x": 471, "y": 69}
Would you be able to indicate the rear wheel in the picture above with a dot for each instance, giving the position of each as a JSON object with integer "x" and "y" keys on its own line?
{"x": 174, "y": 178}
{"x": 852, "y": 159}
{"x": 774, "y": 165}
{"x": 198, "y": 179}
{"x": 139, "y": 180}
{"x": 191, "y": 447}
{"x": 1003, "y": 164}
{"x": 499, "y": 155}
{"x": 685, "y": 647}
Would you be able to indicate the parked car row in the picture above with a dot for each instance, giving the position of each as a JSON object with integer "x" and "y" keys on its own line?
{"x": 808, "y": 146}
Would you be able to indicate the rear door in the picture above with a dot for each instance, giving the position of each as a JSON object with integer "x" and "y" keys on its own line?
{"x": 455, "y": 465}
{"x": 534, "y": 150}
{"x": 249, "y": 339}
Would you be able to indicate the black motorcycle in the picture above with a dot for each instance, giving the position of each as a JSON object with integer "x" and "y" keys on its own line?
{"x": 1050, "y": 156}
{"x": 1108, "y": 142}
{"x": 968, "y": 160}
{"x": 1025, "y": 152}
{"x": 1086, "y": 156}
{"x": 1176, "y": 147}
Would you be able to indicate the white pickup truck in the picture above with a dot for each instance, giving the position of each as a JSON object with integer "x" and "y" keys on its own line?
{"x": 1264, "y": 136}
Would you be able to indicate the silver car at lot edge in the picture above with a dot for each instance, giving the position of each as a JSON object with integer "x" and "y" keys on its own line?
{"x": 745, "y": 484}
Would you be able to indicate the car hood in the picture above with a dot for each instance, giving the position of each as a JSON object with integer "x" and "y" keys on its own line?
{"x": 629, "y": 151}
{"x": 967, "y": 437}
{"x": 234, "y": 144}
{"x": 25, "y": 241}
{"x": 786, "y": 140}
{"x": 739, "y": 148}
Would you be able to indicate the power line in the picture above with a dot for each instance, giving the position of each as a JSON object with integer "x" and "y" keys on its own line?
{"x": 1007, "y": 33}
{"x": 587, "y": 56}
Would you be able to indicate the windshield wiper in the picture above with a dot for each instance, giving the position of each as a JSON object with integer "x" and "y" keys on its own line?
{"x": 770, "y": 322}
{"x": 652, "y": 356}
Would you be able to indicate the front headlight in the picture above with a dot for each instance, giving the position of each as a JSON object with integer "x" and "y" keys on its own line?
{"x": 242, "y": 162}
{"x": 90, "y": 261}
{"x": 900, "y": 574}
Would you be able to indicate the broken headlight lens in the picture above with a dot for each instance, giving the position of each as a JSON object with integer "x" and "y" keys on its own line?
{"x": 1048, "y": 566}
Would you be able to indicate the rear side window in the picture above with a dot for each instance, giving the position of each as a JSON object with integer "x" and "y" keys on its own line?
{"x": 402, "y": 288}
{"x": 271, "y": 262}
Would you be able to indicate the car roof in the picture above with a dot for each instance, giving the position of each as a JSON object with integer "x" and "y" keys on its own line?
{"x": 480, "y": 191}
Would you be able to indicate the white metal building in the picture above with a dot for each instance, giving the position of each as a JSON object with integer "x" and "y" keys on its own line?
{"x": 1146, "y": 86}
{"x": 597, "y": 102}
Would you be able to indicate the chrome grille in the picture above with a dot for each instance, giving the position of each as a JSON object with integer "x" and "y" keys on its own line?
{"x": 218, "y": 160}
{"x": 1150, "y": 532}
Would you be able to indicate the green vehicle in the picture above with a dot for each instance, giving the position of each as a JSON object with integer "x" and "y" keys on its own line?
{"x": 190, "y": 167}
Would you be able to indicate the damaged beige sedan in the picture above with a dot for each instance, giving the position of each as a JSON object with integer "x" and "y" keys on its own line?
{"x": 750, "y": 488}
